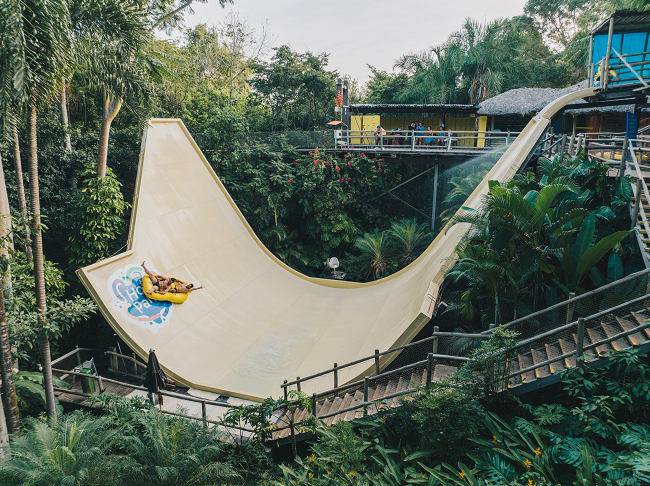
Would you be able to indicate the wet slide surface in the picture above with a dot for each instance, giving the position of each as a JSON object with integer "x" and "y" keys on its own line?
{"x": 257, "y": 322}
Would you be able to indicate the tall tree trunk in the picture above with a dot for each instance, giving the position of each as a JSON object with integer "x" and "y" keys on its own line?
{"x": 21, "y": 195}
{"x": 39, "y": 274}
{"x": 111, "y": 108}
{"x": 9, "y": 398}
{"x": 63, "y": 101}
{"x": 4, "y": 436}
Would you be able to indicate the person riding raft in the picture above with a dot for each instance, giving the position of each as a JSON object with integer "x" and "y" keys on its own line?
{"x": 163, "y": 285}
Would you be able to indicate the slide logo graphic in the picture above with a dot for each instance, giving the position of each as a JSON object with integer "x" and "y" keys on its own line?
{"x": 126, "y": 289}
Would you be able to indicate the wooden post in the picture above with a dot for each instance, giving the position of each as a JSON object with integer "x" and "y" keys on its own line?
{"x": 78, "y": 355}
{"x": 604, "y": 68}
{"x": 376, "y": 361}
{"x": 563, "y": 145}
{"x": 135, "y": 364}
{"x": 580, "y": 341}
{"x": 573, "y": 136}
{"x": 313, "y": 405}
{"x": 491, "y": 326}
{"x": 429, "y": 370}
{"x": 336, "y": 375}
{"x": 621, "y": 170}
{"x": 100, "y": 384}
{"x": 434, "y": 341}
{"x": 637, "y": 203}
{"x": 448, "y": 141}
{"x": 569, "y": 308}
{"x": 366, "y": 381}
{"x": 435, "y": 197}
{"x": 298, "y": 384}
{"x": 285, "y": 390}
{"x": 590, "y": 63}
{"x": 412, "y": 140}
{"x": 580, "y": 137}
{"x": 204, "y": 414}
{"x": 508, "y": 138}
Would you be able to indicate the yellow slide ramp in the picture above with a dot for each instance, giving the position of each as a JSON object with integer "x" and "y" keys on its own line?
{"x": 257, "y": 322}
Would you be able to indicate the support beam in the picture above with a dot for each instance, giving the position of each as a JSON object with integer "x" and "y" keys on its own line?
{"x": 435, "y": 198}
{"x": 604, "y": 69}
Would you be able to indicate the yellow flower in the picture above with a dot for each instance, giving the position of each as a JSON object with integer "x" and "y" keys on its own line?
{"x": 462, "y": 474}
{"x": 530, "y": 483}
{"x": 494, "y": 439}
{"x": 298, "y": 481}
{"x": 351, "y": 474}
{"x": 329, "y": 472}
{"x": 527, "y": 463}
{"x": 538, "y": 451}
{"x": 312, "y": 457}
{"x": 311, "y": 475}
{"x": 384, "y": 419}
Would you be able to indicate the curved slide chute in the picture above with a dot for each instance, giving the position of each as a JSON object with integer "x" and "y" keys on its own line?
{"x": 257, "y": 322}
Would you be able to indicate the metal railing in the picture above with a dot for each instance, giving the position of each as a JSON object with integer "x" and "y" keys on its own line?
{"x": 453, "y": 344}
{"x": 202, "y": 409}
{"x": 422, "y": 141}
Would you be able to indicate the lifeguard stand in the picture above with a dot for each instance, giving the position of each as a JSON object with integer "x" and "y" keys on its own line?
{"x": 619, "y": 62}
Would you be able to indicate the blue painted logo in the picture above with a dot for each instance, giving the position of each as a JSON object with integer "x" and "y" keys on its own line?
{"x": 125, "y": 287}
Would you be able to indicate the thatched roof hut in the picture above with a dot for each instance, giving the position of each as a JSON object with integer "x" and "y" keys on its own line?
{"x": 524, "y": 101}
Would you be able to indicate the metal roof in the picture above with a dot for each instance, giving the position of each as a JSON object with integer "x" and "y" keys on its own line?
{"x": 625, "y": 21}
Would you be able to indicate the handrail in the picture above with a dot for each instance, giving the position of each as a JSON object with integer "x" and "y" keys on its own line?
{"x": 572, "y": 300}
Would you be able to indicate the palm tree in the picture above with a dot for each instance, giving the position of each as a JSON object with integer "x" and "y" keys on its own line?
{"x": 174, "y": 451}
{"x": 485, "y": 57}
{"x": 375, "y": 252}
{"x": 409, "y": 239}
{"x": 64, "y": 453}
{"x": 34, "y": 61}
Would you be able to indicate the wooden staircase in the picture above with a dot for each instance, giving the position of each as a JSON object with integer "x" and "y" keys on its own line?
{"x": 533, "y": 363}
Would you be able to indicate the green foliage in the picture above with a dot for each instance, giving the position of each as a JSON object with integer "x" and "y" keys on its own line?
{"x": 534, "y": 234}
{"x": 296, "y": 89}
{"x": 97, "y": 221}
{"x": 30, "y": 392}
{"x": 68, "y": 453}
{"x": 61, "y": 314}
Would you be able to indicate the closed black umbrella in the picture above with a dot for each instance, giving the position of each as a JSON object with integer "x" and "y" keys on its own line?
{"x": 155, "y": 377}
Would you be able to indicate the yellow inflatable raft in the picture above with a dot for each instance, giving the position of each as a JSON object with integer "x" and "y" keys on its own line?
{"x": 147, "y": 285}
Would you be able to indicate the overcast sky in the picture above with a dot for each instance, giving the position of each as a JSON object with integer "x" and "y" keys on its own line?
{"x": 358, "y": 32}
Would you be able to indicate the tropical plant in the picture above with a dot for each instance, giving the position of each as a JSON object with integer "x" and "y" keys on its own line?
{"x": 68, "y": 453}
{"x": 375, "y": 251}
{"x": 172, "y": 451}
{"x": 409, "y": 239}
{"x": 37, "y": 58}
{"x": 97, "y": 220}
{"x": 31, "y": 396}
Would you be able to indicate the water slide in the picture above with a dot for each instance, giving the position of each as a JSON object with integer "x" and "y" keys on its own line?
{"x": 257, "y": 322}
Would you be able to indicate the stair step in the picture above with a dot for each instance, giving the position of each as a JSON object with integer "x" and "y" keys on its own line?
{"x": 345, "y": 403}
{"x": 356, "y": 400}
{"x": 610, "y": 330}
{"x": 336, "y": 405}
{"x": 553, "y": 351}
{"x": 642, "y": 318}
{"x": 589, "y": 355}
{"x": 324, "y": 408}
{"x": 391, "y": 387}
{"x": 596, "y": 334}
{"x": 628, "y": 325}
{"x": 442, "y": 372}
{"x": 539, "y": 356}
{"x": 525, "y": 361}
{"x": 380, "y": 392}
{"x": 514, "y": 367}
{"x": 568, "y": 346}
